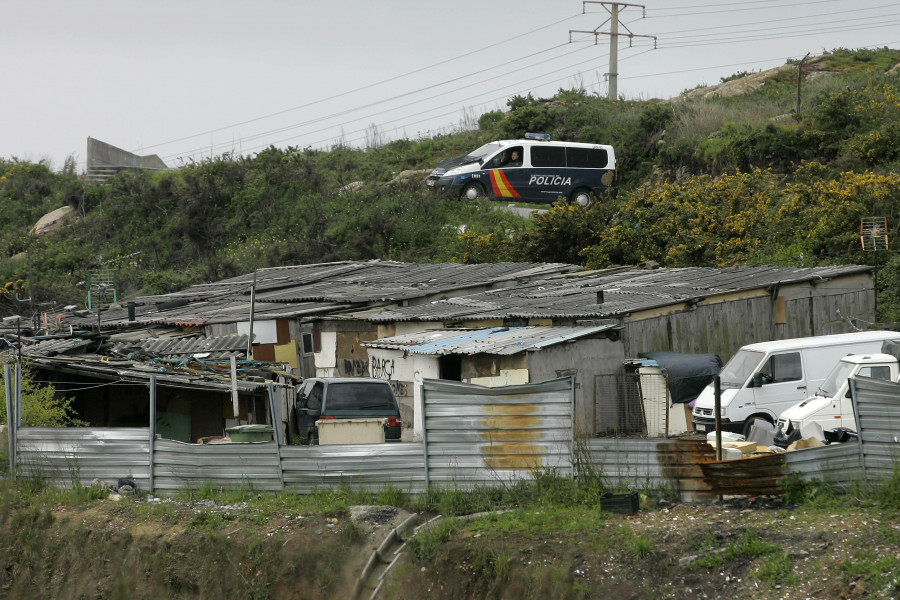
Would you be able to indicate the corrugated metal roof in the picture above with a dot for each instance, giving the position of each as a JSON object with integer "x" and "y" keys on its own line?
{"x": 218, "y": 347}
{"x": 58, "y": 346}
{"x": 576, "y": 295}
{"x": 493, "y": 340}
{"x": 294, "y": 291}
{"x": 136, "y": 372}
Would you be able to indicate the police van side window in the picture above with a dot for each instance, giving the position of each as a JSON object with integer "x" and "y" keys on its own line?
{"x": 586, "y": 158}
{"x": 548, "y": 156}
{"x": 511, "y": 157}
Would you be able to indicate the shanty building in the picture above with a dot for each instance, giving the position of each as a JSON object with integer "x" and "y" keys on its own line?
{"x": 687, "y": 310}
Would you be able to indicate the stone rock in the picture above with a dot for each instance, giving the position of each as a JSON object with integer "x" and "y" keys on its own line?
{"x": 54, "y": 220}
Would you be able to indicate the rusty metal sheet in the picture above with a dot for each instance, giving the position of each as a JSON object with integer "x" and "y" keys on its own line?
{"x": 477, "y": 436}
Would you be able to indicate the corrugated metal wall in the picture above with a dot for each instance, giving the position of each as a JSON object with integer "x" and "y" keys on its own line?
{"x": 688, "y": 467}
{"x": 369, "y": 466}
{"x": 63, "y": 455}
{"x": 484, "y": 436}
{"x": 178, "y": 465}
{"x": 837, "y": 464}
{"x": 474, "y": 436}
{"x": 876, "y": 405}
{"x": 641, "y": 463}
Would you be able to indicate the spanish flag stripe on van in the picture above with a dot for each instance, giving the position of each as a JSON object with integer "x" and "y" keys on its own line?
{"x": 502, "y": 186}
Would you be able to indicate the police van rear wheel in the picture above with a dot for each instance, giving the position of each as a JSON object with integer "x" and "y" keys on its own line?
{"x": 582, "y": 197}
{"x": 472, "y": 192}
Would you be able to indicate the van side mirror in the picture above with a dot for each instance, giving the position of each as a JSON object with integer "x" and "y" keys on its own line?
{"x": 757, "y": 380}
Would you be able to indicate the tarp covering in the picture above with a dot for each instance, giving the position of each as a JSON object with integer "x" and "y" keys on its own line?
{"x": 688, "y": 373}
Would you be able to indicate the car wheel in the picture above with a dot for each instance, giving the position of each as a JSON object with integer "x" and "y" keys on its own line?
{"x": 582, "y": 197}
{"x": 472, "y": 191}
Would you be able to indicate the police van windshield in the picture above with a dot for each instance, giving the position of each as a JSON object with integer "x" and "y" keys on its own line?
{"x": 487, "y": 149}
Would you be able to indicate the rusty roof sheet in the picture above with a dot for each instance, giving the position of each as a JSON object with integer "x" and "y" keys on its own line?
{"x": 575, "y": 296}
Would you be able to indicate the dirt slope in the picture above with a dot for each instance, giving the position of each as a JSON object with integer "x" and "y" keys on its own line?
{"x": 200, "y": 550}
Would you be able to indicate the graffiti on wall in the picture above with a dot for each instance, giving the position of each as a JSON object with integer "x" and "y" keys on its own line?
{"x": 383, "y": 368}
{"x": 401, "y": 388}
{"x": 352, "y": 367}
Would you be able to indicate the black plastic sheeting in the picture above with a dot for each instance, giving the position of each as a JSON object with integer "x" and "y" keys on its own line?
{"x": 688, "y": 373}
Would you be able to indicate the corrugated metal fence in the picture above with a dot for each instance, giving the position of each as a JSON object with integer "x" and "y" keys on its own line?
{"x": 68, "y": 454}
{"x": 483, "y": 436}
{"x": 876, "y": 406}
{"x": 476, "y": 436}
{"x": 473, "y": 436}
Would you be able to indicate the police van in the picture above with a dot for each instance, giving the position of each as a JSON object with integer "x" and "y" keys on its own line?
{"x": 533, "y": 169}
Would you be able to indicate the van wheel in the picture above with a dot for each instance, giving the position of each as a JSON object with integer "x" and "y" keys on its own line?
{"x": 582, "y": 197}
{"x": 748, "y": 424}
{"x": 473, "y": 191}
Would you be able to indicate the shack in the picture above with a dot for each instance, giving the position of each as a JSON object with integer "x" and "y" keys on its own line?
{"x": 492, "y": 357}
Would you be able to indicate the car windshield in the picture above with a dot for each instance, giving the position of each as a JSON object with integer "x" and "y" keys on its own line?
{"x": 480, "y": 153}
{"x": 835, "y": 379}
{"x": 360, "y": 396}
{"x": 739, "y": 368}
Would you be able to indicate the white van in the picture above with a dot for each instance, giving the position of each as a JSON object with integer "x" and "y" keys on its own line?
{"x": 762, "y": 380}
{"x": 831, "y": 405}
{"x": 529, "y": 170}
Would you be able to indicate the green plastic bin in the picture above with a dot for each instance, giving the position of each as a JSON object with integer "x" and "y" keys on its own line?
{"x": 251, "y": 433}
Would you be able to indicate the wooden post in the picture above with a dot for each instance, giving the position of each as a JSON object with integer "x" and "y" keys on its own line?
{"x": 152, "y": 427}
{"x": 10, "y": 421}
{"x": 235, "y": 403}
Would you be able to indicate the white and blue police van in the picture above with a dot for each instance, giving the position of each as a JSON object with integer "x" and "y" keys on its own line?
{"x": 533, "y": 169}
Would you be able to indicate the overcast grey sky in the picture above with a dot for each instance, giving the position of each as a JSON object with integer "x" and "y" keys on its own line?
{"x": 198, "y": 78}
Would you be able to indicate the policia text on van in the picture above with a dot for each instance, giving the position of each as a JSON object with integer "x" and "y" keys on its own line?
{"x": 530, "y": 170}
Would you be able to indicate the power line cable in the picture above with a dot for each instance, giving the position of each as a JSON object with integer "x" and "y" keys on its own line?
{"x": 362, "y": 88}
{"x": 731, "y": 8}
{"x": 806, "y": 23}
{"x": 271, "y": 132}
{"x": 372, "y": 104}
{"x": 778, "y": 3}
{"x": 763, "y": 37}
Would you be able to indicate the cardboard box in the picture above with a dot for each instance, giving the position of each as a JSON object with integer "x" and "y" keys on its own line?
{"x": 743, "y": 447}
{"x": 351, "y": 431}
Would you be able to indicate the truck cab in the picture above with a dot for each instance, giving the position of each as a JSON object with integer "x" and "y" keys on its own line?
{"x": 831, "y": 406}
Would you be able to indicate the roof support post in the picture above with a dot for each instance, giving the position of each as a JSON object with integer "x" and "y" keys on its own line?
{"x": 152, "y": 427}
{"x": 10, "y": 420}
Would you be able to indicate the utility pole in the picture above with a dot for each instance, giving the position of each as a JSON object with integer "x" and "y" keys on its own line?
{"x": 800, "y": 79}
{"x": 613, "y": 9}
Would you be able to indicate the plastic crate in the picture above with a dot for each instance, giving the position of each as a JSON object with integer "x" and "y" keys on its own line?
{"x": 251, "y": 433}
{"x": 622, "y": 504}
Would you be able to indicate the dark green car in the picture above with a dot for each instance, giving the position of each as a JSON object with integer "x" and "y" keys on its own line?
{"x": 345, "y": 398}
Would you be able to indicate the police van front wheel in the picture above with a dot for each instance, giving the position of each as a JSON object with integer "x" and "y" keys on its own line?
{"x": 582, "y": 197}
{"x": 472, "y": 192}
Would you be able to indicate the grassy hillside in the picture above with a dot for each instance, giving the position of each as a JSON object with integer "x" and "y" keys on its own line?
{"x": 546, "y": 538}
{"x": 704, "y": 180}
